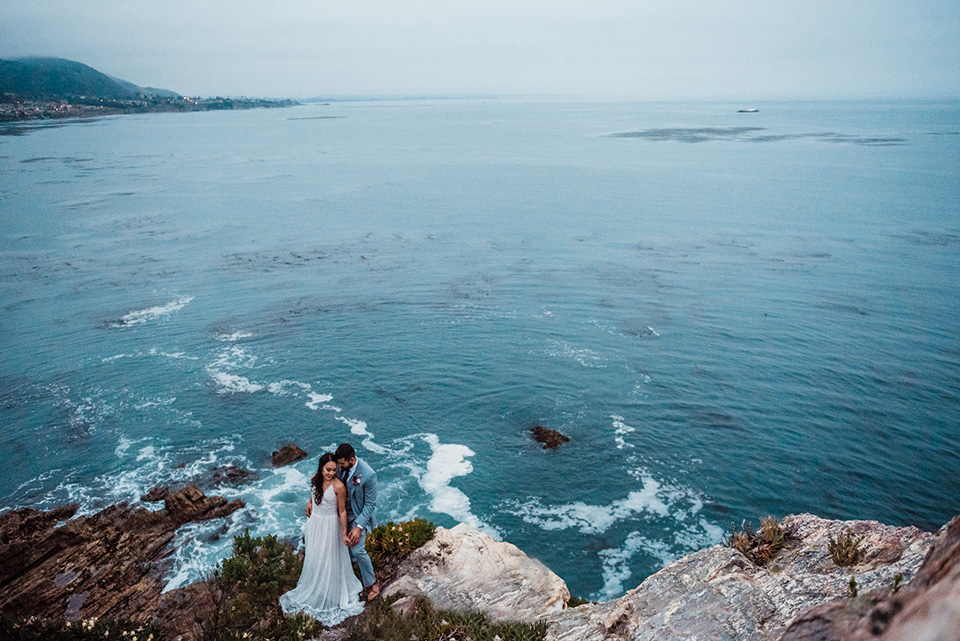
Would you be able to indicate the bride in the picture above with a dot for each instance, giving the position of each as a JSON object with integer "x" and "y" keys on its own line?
{"x": 327, "y": 590}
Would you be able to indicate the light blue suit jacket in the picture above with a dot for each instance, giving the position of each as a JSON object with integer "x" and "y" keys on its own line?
{"x": 362, "y": 496}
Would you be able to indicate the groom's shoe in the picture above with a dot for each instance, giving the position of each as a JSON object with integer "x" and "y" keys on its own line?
{"x": 373, "y": 591}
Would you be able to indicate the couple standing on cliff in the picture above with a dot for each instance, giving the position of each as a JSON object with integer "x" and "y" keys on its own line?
{"x": 340, "y": 512}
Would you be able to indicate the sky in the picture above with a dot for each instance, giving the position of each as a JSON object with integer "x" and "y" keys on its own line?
{"x": 641, "y": 49}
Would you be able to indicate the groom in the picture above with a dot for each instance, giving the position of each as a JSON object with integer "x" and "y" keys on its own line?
{"x": 361, "y": 482}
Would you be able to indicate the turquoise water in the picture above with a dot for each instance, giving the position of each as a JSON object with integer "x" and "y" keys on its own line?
{"x": 729, "y": 314}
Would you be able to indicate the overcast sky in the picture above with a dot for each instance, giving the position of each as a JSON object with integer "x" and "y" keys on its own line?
{"x": 654, "y": 49}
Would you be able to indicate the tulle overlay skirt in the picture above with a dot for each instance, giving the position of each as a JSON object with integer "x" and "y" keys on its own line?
{"x": 327, "y": 590}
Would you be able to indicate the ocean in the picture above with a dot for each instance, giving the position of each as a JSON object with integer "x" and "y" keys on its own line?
{"x": 729, "y": 314}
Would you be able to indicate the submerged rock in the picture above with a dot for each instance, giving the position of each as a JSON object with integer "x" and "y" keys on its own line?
{"x": 286, "y": 455}
{"x": 464, "y": 569}
{"x": 550, "y": 438}
{"x": 231, "y": 475}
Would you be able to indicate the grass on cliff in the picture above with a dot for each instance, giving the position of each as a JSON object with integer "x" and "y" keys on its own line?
{"x": 381, "y": 622}
{"x": 391, "y": 543}
{"x": 846, "y": 550}
{"x": 760, "y": 546}
{"x": 41, "y": 629}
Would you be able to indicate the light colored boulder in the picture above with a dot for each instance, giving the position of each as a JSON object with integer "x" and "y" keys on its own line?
{"x": 718, "y": 594}
{"x": 464, "y": 569}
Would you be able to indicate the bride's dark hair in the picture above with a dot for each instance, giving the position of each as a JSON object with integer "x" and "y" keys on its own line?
{"x": 318, "y": 479}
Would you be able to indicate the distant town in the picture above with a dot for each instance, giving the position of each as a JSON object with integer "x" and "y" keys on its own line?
{"x": 13, "y": 109}
{"x": 48, "y": 88}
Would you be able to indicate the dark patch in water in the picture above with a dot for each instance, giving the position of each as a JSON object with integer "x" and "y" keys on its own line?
{"x": 696, "y": 134}
{"x": 748, "y": 134}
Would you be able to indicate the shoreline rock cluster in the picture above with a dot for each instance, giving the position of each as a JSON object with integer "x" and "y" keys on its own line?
{"x": 54, "y": 564}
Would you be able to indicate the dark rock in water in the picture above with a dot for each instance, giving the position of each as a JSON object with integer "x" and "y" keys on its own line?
{"x": 109, "y": 564}
{"x": 550, "y": 438}
{"x": 231, "y": 475}
{"x": 928, "y": 607}
{"x": 157, "y": 494}
{"x": 286, "y": 455}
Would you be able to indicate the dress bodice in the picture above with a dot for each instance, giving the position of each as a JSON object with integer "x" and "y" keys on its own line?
{"x": 328, "y": 502}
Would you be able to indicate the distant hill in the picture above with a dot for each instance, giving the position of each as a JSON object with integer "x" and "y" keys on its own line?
{"x": 57, "y": 78}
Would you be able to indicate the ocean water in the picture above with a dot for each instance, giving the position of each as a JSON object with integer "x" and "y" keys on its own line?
{"x": 729, "y": 314}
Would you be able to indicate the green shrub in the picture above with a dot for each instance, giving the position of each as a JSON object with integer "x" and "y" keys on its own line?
{"x": 381, "y": 623}
{"x": 760, "y": 546}
{"x": 846, "y": 550}
{"x": 245, "y": 590}
{"x": 573, "y": 602}
{"x": 391, "y": 542}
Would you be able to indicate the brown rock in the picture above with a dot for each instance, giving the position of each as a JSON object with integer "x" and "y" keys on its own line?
{"x": 550, "y": 438}
{"x": 190, "y": 504}
{"x": 105, "y": 565}
{"x": 286, "y": 455}
{"x": 155, "y": 495}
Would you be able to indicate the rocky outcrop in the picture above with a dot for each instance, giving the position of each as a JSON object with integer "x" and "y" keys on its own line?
{"x": 927, "y": 608}
{"x": 551, "y": 439}
{"x": 715, "y": 594}
{"x": 106, "y": 565}
{"x": 718, "y": 594}
{"x": 286, "y": 455}
{"x": 464, "y": 569}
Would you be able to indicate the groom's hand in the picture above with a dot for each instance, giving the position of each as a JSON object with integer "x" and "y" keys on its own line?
{"x": 353, "y": 537}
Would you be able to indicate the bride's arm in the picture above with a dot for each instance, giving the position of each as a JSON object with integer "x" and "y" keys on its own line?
{"x": 341, "y": 492}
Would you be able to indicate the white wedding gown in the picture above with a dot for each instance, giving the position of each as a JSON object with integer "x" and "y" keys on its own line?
{"x": 327, "y": 590}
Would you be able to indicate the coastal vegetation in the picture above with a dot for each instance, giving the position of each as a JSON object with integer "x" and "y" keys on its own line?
{"x": 390, "y": 543}
{"x": 382, "y": 621}
{"x": 845, "y": 549}
{"x": 760, "y": 546}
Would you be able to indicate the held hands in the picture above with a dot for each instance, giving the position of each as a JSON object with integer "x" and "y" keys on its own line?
{"x": 353, "y": 537}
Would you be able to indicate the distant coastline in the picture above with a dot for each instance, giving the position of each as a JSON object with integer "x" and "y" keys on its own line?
{"x": 15, "y": 110}
{"x": 54, "y": 88}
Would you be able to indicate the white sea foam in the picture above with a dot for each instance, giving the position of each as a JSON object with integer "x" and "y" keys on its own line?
{"x": 280, "y": 388}
{"x": 447, "y": 462}
{"x": 232, "y": 357}
{"x": 622, "y": 429}
{"x": 616, "y": 562}
{"x": 233, "y": 384}
{"x": 163, "y": 402}
{"x": 595, "y": 519}
{"x": 359, "y": 428}
{"x": 274, "y": 505}
{"x": 586, "y": 357}
{"x": 232, "y": 338}
{"x": 152, "y": 313}
{"x": 317, "y": 399}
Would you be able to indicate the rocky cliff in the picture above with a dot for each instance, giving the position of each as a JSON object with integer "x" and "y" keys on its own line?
{"x": 716, "y": 594}
{"x": 908, "y": 581}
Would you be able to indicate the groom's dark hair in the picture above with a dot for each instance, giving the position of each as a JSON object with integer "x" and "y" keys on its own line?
{"x": 345, "y": 451}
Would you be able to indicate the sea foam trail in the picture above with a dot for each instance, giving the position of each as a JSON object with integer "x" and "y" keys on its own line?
{"x": 447, "y": 462}
{"x": 152, "y": 313}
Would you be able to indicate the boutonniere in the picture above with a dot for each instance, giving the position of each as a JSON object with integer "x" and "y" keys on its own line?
{"x": 356, "y": 479}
